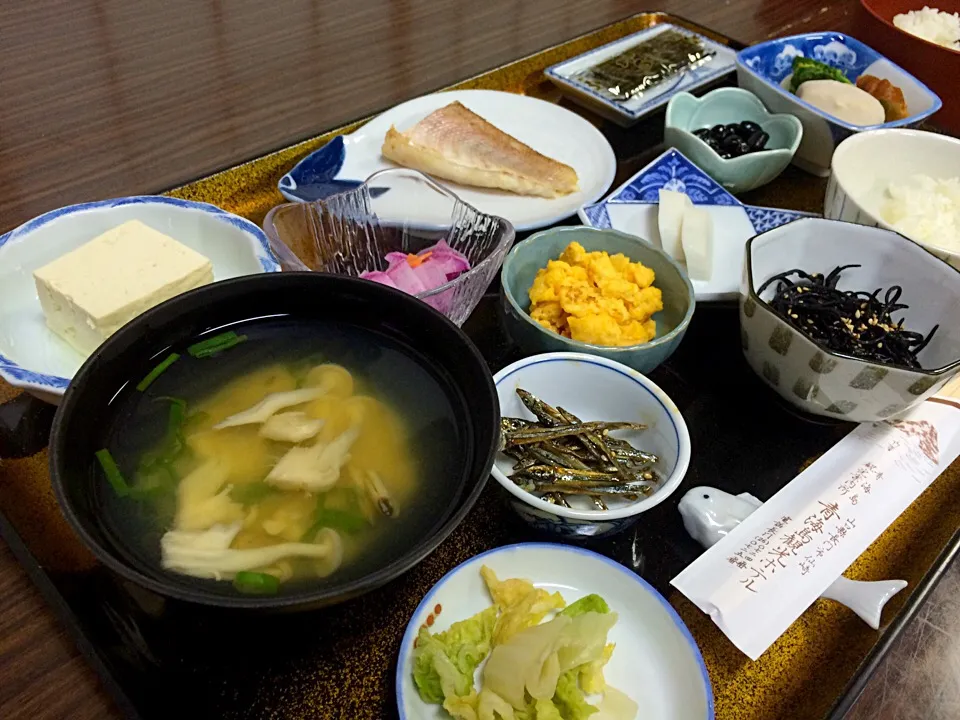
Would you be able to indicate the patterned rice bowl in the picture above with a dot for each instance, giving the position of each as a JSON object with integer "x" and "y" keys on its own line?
{"x": 827, "y": 383}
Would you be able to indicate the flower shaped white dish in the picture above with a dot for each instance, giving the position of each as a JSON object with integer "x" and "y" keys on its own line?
{"x": 35, "y": 359}
{"x": 593, "y": 388}
{"x": 656, "y": 661}
{"x": 564, "y": 76}
{"x": 633, "y": 208}
{"x": 723, "y": 106}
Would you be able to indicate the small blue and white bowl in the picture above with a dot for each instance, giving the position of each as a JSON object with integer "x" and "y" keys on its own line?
{"x": 34, "y": 358}
{"x": 593, "y": 388}
{"x": 762, "y": 68}
{"x": 656, "y": 661}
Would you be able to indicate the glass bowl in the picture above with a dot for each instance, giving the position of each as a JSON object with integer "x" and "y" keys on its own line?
{"x": 395, "y": 210}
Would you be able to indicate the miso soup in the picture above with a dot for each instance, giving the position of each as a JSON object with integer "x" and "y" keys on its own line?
{"x": 278, "y": 452}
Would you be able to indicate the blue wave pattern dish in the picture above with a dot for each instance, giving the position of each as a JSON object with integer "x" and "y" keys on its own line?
{"x": 672, "y": 171}
{"x": 761, "y": 68}
{"x": 314, "y": 177}
{"x": 625, "y": 113}
{"x": 628, "y": 209}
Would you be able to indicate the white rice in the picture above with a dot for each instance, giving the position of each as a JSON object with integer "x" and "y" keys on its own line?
{"x": 925, "y": 210}
{"x": 931, "y": 24}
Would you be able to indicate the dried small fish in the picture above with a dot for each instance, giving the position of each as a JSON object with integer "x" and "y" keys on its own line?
{"x": 560, "y": 454}
{"x": 622, "y": 489}
{"x": 554, "y": 474}
{"x": 510, "y": 424}
{"x": 602, "y": 450}
{"x": 533, "y": 435}
{"x": 547, "y": 414}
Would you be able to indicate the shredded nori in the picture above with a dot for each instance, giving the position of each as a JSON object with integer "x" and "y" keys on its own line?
{"x": 858, "y": 324}
{"x": 645, "y": 65}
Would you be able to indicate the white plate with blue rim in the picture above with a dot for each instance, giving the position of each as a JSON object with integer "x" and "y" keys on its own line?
{"x": 566, "y": 76}
{"x": 656, "y": 661}
{"x": 32, "y": 356}
{"x": 347, "y": 160}
{"x": 633, "y": 208}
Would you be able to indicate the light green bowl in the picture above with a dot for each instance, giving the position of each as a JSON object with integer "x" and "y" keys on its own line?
{"x": 686, "y": 113}
{"x": 528, "y": 257}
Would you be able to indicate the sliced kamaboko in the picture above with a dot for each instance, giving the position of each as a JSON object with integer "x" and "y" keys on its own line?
{"x": 670, "y": 214}
{"x": 697, "y": 241}
{"x": 203, "y": 498}
{"x": 292, "y": 427}
{"x": 271, "y": 404}
{"x": 316, "y": 467}
{"x": 207, "y": 553}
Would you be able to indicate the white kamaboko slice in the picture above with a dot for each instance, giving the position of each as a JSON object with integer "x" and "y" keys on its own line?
{"x": 697, "y": 241}
{"x": 291, "y": 427}
{"x": 672, "y": 209}
{"x": 207, "y": 553}
{"x": 271, "y": 404}
{"x": 316, "y": 467}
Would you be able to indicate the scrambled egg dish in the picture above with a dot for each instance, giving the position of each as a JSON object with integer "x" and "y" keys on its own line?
{"x": 596, "y": 298}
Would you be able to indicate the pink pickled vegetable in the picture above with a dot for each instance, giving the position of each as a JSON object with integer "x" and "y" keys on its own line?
{"x": 431, "y": 275}
{"x": 407, "y": 279}
{"x": 380, "y": 277}
{"x": 427, "y": 270}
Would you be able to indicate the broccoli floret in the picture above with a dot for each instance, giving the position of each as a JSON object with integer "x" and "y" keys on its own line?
{"x": 805, "y": 69}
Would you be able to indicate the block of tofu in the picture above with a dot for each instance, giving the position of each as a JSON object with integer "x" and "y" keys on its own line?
{"x": 92, "y": 291}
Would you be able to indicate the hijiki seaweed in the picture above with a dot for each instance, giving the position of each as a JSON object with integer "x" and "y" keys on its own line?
{"x": 643, "y": 66}
{"x": 858, "y": 324}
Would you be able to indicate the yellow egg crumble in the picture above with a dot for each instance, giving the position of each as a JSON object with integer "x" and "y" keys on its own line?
{"x": 596, "y": 298}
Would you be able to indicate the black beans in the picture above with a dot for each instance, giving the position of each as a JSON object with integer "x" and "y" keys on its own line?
{"x": 734, "y": 139}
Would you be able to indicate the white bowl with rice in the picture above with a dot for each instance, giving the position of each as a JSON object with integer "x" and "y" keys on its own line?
{"x": 902, "y": 180}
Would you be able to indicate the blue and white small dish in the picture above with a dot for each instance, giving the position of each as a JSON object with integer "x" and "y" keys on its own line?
{"x": 633, "y": 208}
{"x": 593, "y": 388}
{"x": 35, "y": 359}
{"x": 564, "y": 76}
{"x": 348, "y": 160}
{"x": 656, "y": 661}
{"x": 762, "y": 69}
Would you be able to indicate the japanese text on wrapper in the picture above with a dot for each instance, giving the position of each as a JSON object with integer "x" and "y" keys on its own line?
{"x": 804, "y": 541}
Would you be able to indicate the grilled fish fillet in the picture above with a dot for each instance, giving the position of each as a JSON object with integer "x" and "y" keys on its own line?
{"x": 456, "y": 144}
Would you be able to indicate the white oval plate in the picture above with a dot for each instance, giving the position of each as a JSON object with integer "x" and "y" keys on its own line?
{"x": 656, "y": 661}
{"x": 547, "y": 128}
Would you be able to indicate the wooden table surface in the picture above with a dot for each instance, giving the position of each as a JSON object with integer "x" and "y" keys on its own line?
{"x": 117, "y": 97}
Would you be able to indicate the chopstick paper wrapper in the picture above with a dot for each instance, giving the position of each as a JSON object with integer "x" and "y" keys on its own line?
{"x": 770, "y": 568}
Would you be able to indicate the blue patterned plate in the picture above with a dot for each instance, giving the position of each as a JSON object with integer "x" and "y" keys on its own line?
{"x": 656, "y": 661}
{"x": 564, "y": 76}
{"x": 32, "y": 357}
{"x": 346, "y": 161}
{"x": 633, "y": 207}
